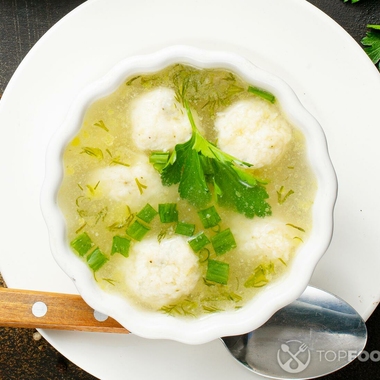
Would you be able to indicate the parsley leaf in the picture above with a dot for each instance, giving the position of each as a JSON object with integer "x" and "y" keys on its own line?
{"x": 372, "y": 43}
{"x": 203, "y": 170}
{"x": 234, "y": 193}
{"x": 193, "y": 186}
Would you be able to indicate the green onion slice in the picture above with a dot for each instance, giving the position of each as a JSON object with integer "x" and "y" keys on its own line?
{"x": 137, "y": 230}
{"x": 96, "y": 259}
{"x": 209, "y": 217}
{"x": 159, "y": 160}
{"x": 217, "y": 271}
{"x": 198, "y": 241}
{"x": 168, "y": 212}
{"x": 147, "y": 213}
{"x": 82, "y": 244}
{"x": 223, "y": 242}
{"x": 262, "y": 94}
{"x": 186, "y": 229}
{"x": 203, "y": 255}
{"x": 120, "y": 245}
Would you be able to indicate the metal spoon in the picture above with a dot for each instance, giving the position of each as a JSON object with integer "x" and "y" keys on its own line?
{"x": 315, "y": 335}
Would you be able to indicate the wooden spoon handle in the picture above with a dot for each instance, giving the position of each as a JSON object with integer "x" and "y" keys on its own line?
{"x": 35, "y": 309}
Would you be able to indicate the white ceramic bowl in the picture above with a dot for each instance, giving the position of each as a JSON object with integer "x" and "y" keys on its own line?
{"x": 271, "y": 298}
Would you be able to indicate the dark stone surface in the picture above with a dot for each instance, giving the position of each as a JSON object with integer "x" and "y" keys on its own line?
{"x": 352, "y": 17}
{"x": 22, "y": 23}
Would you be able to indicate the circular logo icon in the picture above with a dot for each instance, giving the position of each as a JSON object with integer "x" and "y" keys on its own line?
{"x": 293, "y": 356}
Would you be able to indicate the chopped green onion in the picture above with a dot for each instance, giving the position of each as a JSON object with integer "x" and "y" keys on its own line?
{"x": 147, "y": 213}
{"x": 216, "y": 229}
{"x": 203, "y": 255}
{"x": 159, "y": 160}
{"x": 198, "y": 241}
{"x": 223, "y": 242}
{"x": 217, "y": 271}
{"x": 209, "y": 217}
{"x": 120, "y": 245}
{"x": 168, "y": 212}
{"x": 96, "y": 259}
{"x": 262, "y": 94}
{"x": 137, "y": 230}
{"x": 82, "y": 244}
{"x": 260, "y": 276}
{"x": 186, "y": 229}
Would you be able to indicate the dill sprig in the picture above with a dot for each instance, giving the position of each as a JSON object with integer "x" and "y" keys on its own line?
{"x": 184, "y": 308}
{"x": 281, "y": 197}
{"x": 101, "y": 125}
{"x": 93, "y": 152}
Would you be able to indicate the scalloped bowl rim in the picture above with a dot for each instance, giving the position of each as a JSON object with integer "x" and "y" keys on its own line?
{"x": 271, "y": 298}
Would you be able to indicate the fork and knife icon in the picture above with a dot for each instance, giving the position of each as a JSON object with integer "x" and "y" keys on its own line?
{"x": 287, "y": 366}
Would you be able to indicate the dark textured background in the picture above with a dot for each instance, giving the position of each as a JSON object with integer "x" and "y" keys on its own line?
{"x": 24, "y": 355}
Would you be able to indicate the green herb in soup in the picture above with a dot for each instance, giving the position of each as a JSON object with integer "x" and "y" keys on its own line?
{"x": 197, "y": 163}
{"x": 187, "y": 191}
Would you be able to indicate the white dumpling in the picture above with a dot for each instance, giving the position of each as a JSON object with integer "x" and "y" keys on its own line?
{"x": 160, "y": 273}
{"x": 158, "y": 121}
{"x": 253, "y": 131}
{"x": 268, "y": 238}
{"x": 134, "y": 185}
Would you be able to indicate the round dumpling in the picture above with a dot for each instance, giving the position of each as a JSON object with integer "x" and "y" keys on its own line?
{"x": 269, "y": 238}
{"x": 158, "y": 121}
{"x": 160, "y": 273}
{"x": 253, "y": 131}
{"x": 135, "y": 185}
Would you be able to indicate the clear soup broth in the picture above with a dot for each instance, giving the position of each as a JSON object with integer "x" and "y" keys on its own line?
{"x": 187, "y": 191}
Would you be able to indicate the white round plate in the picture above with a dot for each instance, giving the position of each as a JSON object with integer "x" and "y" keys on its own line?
{"x": 328, "y": 70}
